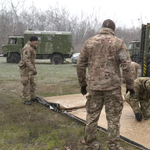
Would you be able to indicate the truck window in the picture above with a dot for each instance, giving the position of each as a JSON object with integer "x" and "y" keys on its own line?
{"x": 137, "y": 45}
{"x": 130, "y": 46}
{"x": 39, "y": 38}
{"x": 134, "y": 45}
{"x": 12, "y": 41}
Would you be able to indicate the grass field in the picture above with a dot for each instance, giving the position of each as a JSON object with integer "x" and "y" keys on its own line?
{"x": 36, "y": 127}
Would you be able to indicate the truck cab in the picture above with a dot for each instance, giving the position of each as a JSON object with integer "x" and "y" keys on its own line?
{"x": 134, "y": 49}
{"x": 13, "y": 48}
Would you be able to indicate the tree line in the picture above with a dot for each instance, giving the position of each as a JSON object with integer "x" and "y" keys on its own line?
{"x": 15, "y": 19}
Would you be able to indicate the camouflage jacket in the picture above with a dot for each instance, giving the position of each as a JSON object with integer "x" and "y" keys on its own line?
{"x": 103, "y": 54}
{"x": 28, "y": 57}
{"x": 141, "y": 92}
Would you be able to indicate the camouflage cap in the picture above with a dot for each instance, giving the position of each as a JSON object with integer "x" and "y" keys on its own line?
{"x": 147, "y": 84}
{"x": 109, "y": 24}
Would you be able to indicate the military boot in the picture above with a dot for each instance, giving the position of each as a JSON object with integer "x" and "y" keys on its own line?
{"x": 33, "y": 100}
{"x": 27, "y": 102}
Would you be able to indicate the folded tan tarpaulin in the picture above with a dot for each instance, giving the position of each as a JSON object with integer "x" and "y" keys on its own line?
{"x": 68, "y": 102}
{"x": 138, "y": 132}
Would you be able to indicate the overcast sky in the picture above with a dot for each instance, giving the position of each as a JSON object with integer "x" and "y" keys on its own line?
{"x": 126, "y": 13}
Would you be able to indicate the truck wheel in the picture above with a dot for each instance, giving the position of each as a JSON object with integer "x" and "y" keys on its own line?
{"x": 16, "y": 58}
{"x": 57, "y": 59}
{"x": 9, "y": 58}
{"x": 13, "y": 58}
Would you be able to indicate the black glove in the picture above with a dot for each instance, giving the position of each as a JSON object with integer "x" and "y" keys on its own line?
{"x": 132, "y": 93}
{"x": 83, "y": 89}
{"x": 138, "y": 117}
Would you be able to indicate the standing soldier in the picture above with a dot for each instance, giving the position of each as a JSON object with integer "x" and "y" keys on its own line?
{"x": 140, "y": 102}
{"x": 28, "y": 70}
{"x": 103, "y": 54}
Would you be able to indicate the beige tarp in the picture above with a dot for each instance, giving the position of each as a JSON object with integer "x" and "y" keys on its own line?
{"x": 138, "y": 132}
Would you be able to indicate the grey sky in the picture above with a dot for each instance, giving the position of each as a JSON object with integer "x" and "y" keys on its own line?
{"x": 125, "y": 13}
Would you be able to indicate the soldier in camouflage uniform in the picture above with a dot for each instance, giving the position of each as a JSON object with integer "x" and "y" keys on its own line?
{"x": 28, "y": 70}
{"x": 103, "y": 54}
{"x": 140, "y": 103}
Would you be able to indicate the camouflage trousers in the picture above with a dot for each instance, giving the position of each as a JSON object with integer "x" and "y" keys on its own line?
{"x": 139, "y": 105}
{"x": 29, "y": 86}
{"x": 113, "y": 108}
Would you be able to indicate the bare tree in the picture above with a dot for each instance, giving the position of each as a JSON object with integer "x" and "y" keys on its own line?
{"x": 128, "y": 34}
{"x": 15, "y": 19}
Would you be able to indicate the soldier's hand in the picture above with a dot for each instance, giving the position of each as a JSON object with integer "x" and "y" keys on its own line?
{"x": 83, "y": 90}
{"x": 34, "y": 72}
{"x": 132, "y": 92}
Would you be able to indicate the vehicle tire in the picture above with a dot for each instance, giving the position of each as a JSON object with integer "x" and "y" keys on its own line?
{"x": 57, "y": 59}
{"x": 9, "y": 58}
{"x": 13, "y": 58}
{"x": 16, "y": 58}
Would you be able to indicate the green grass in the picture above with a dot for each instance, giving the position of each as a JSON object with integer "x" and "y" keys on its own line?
{"x": 36, "y": 127}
